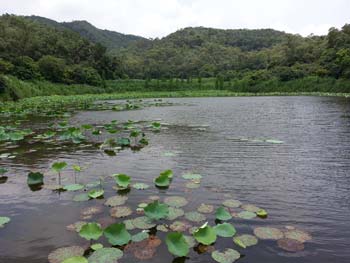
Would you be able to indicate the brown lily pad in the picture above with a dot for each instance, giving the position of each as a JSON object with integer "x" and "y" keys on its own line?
{"x": 61, "y": 254}
{"x": 290, "y": 245}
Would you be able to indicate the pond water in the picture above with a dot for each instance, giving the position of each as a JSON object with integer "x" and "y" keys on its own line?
{"x": 303, "y": 182}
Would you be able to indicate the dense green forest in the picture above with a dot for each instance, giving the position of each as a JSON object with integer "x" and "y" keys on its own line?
{"x": 39, "y": 49}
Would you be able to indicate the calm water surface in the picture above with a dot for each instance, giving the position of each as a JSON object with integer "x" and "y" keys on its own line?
{"x": 304, "y": 182}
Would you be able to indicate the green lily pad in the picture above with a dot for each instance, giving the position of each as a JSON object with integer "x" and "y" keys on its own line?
{"x": 192, "y": 185}
{"x": 59, "y": 166}
{"x": 246, "y": 215}
{"x": 175, "y": 201}
{"x": 61, "y": 254}
{"x": 179, "y": 226}
{"x": 106, "y": 255}
{"x": 290, "y": 245}
{"x": 195, "y": 216}
{"x": 143, "y": 222}
{"x": 117, "y": 234}
{"x": 231, "y": 203}
{"x": 177, "y": 244}
{"x": 268, "y": 233}
{"x": 190, "y": 241}
{"x": 262, "y": 213}
{"x": 140, "y": 236}
{"x": 120, "y": 211}
{"x": 156, "y": 210}
{"x": 3, "y": 171}
{"x": 129, "y": 224}
{"x": 77, "y": 259}
{"x": 222, "y": 214}
{"x": 4, "y": 220}
{"x": 162, "y": 180}
{"x": 35, "y": 178}
{"x": 225, "y": 230}
{"x": 191, "y": 176}
{"x": 228, "y": 256}
{"x": 91, "y": 231}
{"x": 96, "y": 246}
{"x": 96, "y": 193}
{"x": 116, "y": 200}
{"x": 162, "y": 228}
{"x": 251, "y": 208}
{"x": 245, "y": 240}
{"x": 81, "y": 197}
{"x": 122, "y": 180}
{"x": 73, "y": 187}
{"x": 298, "y": 235}
{"x": 205, "y": 234}
{"x": 169, "y": 154}
{"x": 140, "y": 186}
{"x": 175, "y": 213}
{"x": 76, "y": 226}
{"x": 206, "y": 209}
{"x": 168, "y": 173}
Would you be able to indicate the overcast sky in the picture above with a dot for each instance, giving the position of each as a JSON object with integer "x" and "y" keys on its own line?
{"x": 157, "y": 18}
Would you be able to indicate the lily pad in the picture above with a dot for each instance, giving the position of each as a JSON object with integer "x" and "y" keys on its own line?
{"x": 179, "y": 226}
{"x": 117, "y": 234}
{"x": 175, "y": 201}
{"x": 106, "y": 255}
{"x": 35, "y": 178}
{"x": 64, "y": 253}
{"x": 290, "y": 245}
{"x": 245, "y": 240}
{"x": 96, "y": 193}
{"x": 140, "y": 236}
{"x": 190, "y": 241}
{"x": 116, "y": 200}
{"x": 59, "y": 166}
{"x": 192, "y": 185}
{"x": 298, "y": 235}
{"x": 268, "y": 233}
{"x": 156, "y": 210}
{"x": 231, "y": 203}
{"x": 76, "y": 226}
{"x": 140, "y": 186}
{"x": 162, "y": 180}
{"x": 225, "y": 230}
{"x": 191, "y": 176}
{"x": 4, "y": 220}
{"x": 222, "y": 214}
{"x": 168, "y": 173}
{"x": 91, "y": 210}
{"x": 143, "y": 222}
{"x": 120, "y": 211}
{"x": 122, "y": 180}
{"x": 81, "y": 197}
{"x": 96, "y": 246}
{"x": 73, "y": 187}
{"x": 162, "y": 228}
{"x": 246, "y": 215}
{"x": 205, "y": 234}
{"x": 129, "y": 224}
{"x": 251, "y": 208}
{"x": 228, "y": 256}
{"x": 91, "y": 231}
{"x": 77, "y": 259}
{"x": 175, "y": 213}
{"x": 177, "y": 244}
{"x": 262, "y": 213}
{"x": 206, "y": 209}
{"x": 195, "y": 216}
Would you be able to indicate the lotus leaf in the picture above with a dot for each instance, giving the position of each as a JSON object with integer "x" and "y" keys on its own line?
{"x": 175, "y": 201}
{"x": 140, "y": 186}
{"x": 177, "y": 244}
{"x": 179, "y": 226}
{"x": 207, "y": 209}
{"x": 298, "y": 235}
{"x": 222, "y": 214}
{"x": 77, "y": 259}
{"x": 195, "y": 216}
{"x": 231, "y": 203}
{"x": 192, "y": 185}
{"x": 205, "y": 234}
{"x": 116, "y": 200}
{"x": 168, "y": 173}
{"x": 246, "y": 215}
{"x": 143, "y": 222}
{"x": 245, "y": 240}
{"x": 191, "y": 176}
{"x": 251, "y": 208}
{"x": 73, "y": 187}
{"x": 81, "y": 197}
{"x": 175, "y": 213}
{"x": 140, "y": 236}
{"x": 162, "y": 180}
{"x": 156, "y": 210}
{"x": 261, "y": 213}
{"x": 35, "y": 178}
{"x": 96, "y": 246}
{"x": 106, "y": 255}
{"x": 4, "y": 220}
{"x": 91, "y": 231}
{"x": 228, "y": 256}
{"x": 290, "y": 245}
{"x": 268, "y": 233}
{"x": 117, "y": 234}
{"x": 64, "y": 253}
{"x": 120, "y": 211}
{"x": 96, "y": 193}
{"x": 59, "y": 166}
{"x": 122, "y": 180}
{"x": 225, "y": 230}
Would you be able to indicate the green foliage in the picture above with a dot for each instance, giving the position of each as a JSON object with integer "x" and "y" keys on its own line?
{"x": 177, "y": 244}
{"x": 117, "y": 234}
{"x": 35, "y": 178}
{"x": 205, "y": 234}
{"x": 156, "y": 210}
{"x": 91, "y": 231}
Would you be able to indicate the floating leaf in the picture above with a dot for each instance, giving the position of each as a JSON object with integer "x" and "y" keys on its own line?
{"x": 3, "y": 171}
{"x": 175, "y": 213}
{"x": 122, "y": 180}
{"x": 225, "y": 230}
{"x": 177, "y": 244}
{"x": 129, "y": 224}
{"x": 246, "y": 215}
{"x": 251, "y": 208}
{"x": 162, "y": 180}
{"x": 140, "y": 186}
{"x": 245, "y": 240}
{"x": 4, "y": 220}
{"x": 175, "y": 201}
{"x": 91, "y": 231}
{"x": 268, "y": 233}
{"x": 143, "y": 222}
{"x": 231, "y": 203}
{"x": 168, "y": 173}
{"x": 162, "y": 228}
{"x": 96, "y": 246}
{"x": 106, "y": 255}
{"x": 190, "y": 241}
{"x": 91, "y": 210}
{"x": 195, "y": 216}
{"x": 81, "y": 197}
{"x": 205, "y": 234}
{"x": 35, "y": 178}
{"x": 156, "y": 210}
{"x": 290, "y": 245}
{"x": 273, "y": 141}
{"x": 77, "y": 259}
{"x": 59, "y": 166}
{"x": 117, "y": 234}
{"x": 192, "y": 185}
{"x": 96, "y": 193}
{"x": 116, "y": 200}
{"x": 64, "y": 253}
{"x": 228, "y": 256}
{"x": 179, "y": 226}
{"x": 73, "y": 187}
{"x": 261, "y": 213}
{"x": 222, "y": 214}
{"x": 120, "y": 211}
{"x": 191, "y": 176}
{"x": 76, "y": 226}
{"x": 140, "y": 236}
{"x": 298, "y": 235}
{"x": 207, "y": 209}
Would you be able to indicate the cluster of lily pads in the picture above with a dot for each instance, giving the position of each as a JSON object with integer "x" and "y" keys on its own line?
{"x": 154, "y": 215}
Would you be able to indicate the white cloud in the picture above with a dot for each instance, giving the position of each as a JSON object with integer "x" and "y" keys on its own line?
{"x": 157, "y": 18}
